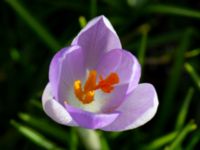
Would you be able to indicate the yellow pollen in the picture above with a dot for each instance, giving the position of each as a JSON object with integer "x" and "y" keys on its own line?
{"x": 86, "y": 95}
{"x": 77, "y": 89}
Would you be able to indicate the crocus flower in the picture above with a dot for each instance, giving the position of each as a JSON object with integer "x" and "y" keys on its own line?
{"x": 94, "y": 83}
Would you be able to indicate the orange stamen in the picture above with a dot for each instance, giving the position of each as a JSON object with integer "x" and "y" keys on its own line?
{"x": 107, "y": 84}
{"x": 86, "y": 96}
{"x": 89, "y": 97}
{"x": 77, "y": 89}
{"x": 91, "y": 81}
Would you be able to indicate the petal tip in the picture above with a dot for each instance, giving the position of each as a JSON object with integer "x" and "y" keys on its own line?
{"x": 139, "y": 108}
{"x": 54, "y": 109}
{"x": 150, "y": 112}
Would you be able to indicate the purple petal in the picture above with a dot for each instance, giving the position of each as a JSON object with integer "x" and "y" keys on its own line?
{"x": 97, "y": 38}
{"x": 138, "y": 108}
{"x": 115, "y": 98}
{"x": 54, "y": 69}
{"x": 54, "y": 109}
{"x": 109, "y": 62}
{"x": 90, "y": 120}
{"x": 67, "y": 66}
{"x": 129, "y": 70}
{"x": 124, "y": 64}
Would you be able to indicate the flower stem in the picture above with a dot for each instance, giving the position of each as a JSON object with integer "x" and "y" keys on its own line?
{"x": 90, "y": 139}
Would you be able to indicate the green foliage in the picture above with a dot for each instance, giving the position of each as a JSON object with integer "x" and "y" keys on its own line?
{"x": 164, "y": 37}
{"x": 34, "y": 25}
{"x": 34, "y": 136}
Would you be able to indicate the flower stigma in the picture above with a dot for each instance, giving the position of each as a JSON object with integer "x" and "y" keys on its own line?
{"x": 86, "y": 95}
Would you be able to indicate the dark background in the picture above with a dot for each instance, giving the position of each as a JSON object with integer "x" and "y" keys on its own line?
{"x": 168, "y": 32}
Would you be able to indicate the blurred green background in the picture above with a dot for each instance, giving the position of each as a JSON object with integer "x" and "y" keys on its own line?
{"x": 164, "y": 35}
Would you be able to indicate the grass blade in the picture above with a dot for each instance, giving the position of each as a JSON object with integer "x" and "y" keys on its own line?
{"x": 174, "y": 10}
{"x": 192, "y": 53}
{"x": 34, "y": 25}
{"x": 173, "y": 81}
{"x": 184, "y": 109}
{"x": 160, "y": 142}
{"x": 195, "y": 139}
{"x": 93, "y": 8}
{"x": 191, "y": 126}
{"x": 144, "y": 29}
{"x": 36, "y": 103}
{"x": 35, "y": 137}
{"x": 45, "y": 127}
{"x": 190, "y": 70}
{"x": 82, "y": 21}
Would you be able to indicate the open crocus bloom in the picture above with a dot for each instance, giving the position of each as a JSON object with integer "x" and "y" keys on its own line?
{"x": 94, "y": 83}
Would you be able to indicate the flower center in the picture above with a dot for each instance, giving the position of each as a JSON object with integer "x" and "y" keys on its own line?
{"x": 86, "y": 95}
